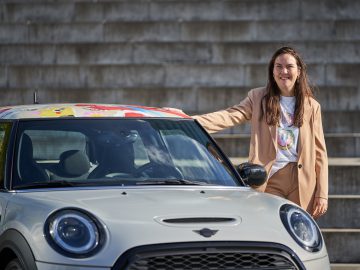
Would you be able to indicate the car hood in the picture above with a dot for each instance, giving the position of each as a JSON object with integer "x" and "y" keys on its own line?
{"x": 158, "y": 214}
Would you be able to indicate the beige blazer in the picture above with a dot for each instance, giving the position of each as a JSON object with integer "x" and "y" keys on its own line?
{"x": 312, "y": 156}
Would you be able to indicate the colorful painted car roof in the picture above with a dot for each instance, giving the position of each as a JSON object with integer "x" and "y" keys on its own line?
{"x": 86, "y": 110}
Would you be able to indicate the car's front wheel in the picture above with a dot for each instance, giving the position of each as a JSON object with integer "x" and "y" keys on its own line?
{"x": 14, "y": 264}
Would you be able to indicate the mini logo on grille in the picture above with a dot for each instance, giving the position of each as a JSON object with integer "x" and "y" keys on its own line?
{"x": 206, "y": 232}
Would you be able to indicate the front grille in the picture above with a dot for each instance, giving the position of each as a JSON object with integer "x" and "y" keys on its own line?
{"x": 211, "y": 258}
{"x": 215, "y": 261}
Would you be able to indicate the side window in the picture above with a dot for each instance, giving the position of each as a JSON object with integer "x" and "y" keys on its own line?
{"x": 4, "y": 138}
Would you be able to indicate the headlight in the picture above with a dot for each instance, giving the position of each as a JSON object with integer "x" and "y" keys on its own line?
{"x": 74, "y": 233}
{"x": 301, "y": 227}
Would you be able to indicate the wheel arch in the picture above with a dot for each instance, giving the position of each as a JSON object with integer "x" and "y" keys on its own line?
{"x": 14, "y": 245}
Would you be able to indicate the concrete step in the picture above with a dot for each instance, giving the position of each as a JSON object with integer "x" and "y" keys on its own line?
{"x": 344, "y": 176}
{"x": 106, "y": 53}
{"x": 343, "y": 247}
{"x": 199, "y": 71}
{"x": 89, "y": 10}
{"x": 255, "y": 52}
{"x": 345, "y": 266}
{"x": 245, "y": 53}
{"x": 146, "y": 96}
{"x": 179, "y": 30}
{"x": 343, "y": 213}
{"x": 338, "y": 145}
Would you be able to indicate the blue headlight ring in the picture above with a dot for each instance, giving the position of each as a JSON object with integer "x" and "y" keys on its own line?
{"x": 87, "y": 222}
{"x": 284, "y": 215}
{"x": 90, "y": 222}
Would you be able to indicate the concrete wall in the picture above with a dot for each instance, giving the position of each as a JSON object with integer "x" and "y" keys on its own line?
{"x": 104, "y": 51}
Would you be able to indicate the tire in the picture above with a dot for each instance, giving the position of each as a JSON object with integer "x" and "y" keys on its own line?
{"x": 15, "y": 264}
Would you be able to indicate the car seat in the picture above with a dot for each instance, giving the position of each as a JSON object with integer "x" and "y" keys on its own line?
{"x": 115, "y": 160}
{"x": 28, "y": 170}
{"x": 72, "y": 164}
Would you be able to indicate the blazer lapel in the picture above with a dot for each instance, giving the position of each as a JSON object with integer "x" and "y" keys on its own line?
{"x": 301, "y": 141}
{"x": 302, "y": 129}
{"x": 272, "y": 130}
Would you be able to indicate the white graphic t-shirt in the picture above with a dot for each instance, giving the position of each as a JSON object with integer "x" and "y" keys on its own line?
{"x": 287, "y": 135}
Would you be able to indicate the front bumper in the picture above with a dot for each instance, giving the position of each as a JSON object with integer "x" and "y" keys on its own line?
{"x": 224, "y": 255}
{"x": 321, "y": 263}
{"x": 47, "y": 266}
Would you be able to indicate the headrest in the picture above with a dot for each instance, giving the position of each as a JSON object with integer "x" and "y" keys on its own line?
{"x": 74, "y": 163}
{"x": 26, "y": 146}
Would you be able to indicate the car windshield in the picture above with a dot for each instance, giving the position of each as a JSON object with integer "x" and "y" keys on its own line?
{"x": 91, "y": 152}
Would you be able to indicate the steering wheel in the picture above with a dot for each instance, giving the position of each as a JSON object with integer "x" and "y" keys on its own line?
{"x": 154, "y": 170}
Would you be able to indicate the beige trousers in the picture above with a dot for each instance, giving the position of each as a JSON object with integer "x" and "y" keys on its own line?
{"x": 284, "y": 183}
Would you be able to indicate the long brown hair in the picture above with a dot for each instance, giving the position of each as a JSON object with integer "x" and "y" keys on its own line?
{"x": 271, "y": 100}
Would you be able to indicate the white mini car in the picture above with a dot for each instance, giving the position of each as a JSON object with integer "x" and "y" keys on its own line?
{"x": 115, "y": 187}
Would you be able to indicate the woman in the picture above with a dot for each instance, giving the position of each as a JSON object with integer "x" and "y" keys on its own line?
{"x": 286, "y": 133}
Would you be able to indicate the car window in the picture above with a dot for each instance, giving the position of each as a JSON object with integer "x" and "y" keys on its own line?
{"x": 4, "y": 137}
{"x": 117, "y": 152}
{"x": 140, "y": 154}
{"x": 193, "y": 158}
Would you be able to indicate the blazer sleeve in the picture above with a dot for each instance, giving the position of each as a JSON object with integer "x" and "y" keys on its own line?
{"x": 321, "y": 163}
{"x": 227, "y": 118}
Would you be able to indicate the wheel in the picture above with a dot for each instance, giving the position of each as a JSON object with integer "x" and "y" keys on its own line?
{"x": 15, "y": 264}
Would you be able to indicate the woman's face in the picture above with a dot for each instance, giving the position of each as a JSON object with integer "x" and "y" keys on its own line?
{"x": 285, "y": 73}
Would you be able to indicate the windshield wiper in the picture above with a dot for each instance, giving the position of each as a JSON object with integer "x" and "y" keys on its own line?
{"x": 52, "y": 184}
{"x": 172, "y": 182}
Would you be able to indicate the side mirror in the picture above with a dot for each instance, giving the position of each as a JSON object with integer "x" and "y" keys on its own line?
{"x": 252, "y": 174}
